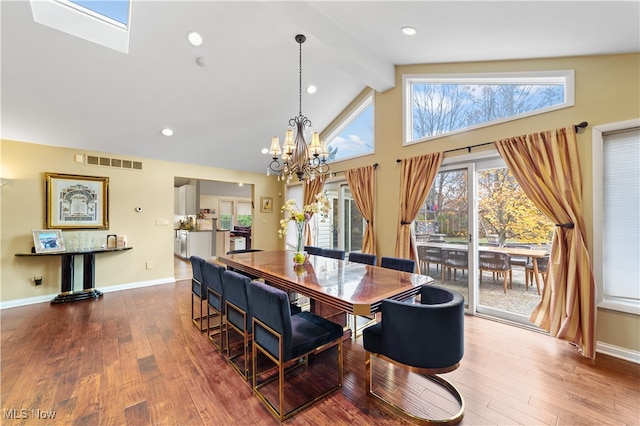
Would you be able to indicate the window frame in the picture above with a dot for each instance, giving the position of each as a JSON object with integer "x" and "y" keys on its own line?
{"x": 234, "y": 201}
{"x": 597, "y": 140}
{"x": 355, "y": 112}
{"x": 567, "y": 77}
{"x": 83, "y": 23}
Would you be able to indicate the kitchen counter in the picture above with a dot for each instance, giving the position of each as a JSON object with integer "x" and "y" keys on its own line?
{"x": 202, "y": 243}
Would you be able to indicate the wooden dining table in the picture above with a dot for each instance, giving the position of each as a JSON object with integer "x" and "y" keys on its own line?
{"x": 349, "y": 287}
{"x": 534, "y": 254}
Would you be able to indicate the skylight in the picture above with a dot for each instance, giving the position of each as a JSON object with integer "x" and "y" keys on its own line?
{"x": 117, "y": 10}
{"x": 102, "y": 22}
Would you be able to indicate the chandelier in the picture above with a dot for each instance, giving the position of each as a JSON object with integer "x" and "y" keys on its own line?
{"x": 296, "y": 158}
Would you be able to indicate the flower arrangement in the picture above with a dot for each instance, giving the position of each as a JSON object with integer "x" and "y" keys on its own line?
{"x": 302, "y": 216}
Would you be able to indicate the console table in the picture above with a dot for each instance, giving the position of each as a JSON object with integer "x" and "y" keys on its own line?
{"x": 67, "y": 269}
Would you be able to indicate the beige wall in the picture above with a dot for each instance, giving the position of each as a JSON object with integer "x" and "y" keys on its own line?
{"x": 607, "y": 90}
{"x": 152, "y": 189}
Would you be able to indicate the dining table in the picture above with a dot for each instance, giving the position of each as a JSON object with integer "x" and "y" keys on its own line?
{"x": 350, "y": 287}
{"x": 534, "y": 254}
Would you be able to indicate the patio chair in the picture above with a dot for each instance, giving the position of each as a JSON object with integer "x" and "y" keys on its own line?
{"x": 428, "y": 255}
{"x": 454, "y": 259}
{"x": 519, "y": 260}
{"x": 425, "y": 338}
{"x": 543, "y": 268}
{"x": 497, "y": 262}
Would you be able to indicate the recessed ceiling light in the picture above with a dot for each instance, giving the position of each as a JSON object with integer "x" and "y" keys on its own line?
{"x": 194, "y": 38}
{"x": 409, "y": 30}
{"x": 240, "y": 184}
{"x": 264, "y": 150}
{"x": 311, "y": 89}
{"x": 167, "y": 132}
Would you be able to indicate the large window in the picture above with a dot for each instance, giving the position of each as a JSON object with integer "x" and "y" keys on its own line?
{"x": 437, "y": 105}
{"x": 616, "y": 199}
{"x": 354, "y": 137}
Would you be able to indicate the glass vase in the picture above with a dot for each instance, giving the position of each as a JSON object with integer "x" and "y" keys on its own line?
{"x": 300, "y": 256}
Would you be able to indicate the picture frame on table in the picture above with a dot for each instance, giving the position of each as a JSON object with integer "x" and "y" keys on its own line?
{"x": 76, "y": 202}
{"x": 266, "y": 204}
{"x": 48, "y": 240}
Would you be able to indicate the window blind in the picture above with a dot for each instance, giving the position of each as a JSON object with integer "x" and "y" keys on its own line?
{"x": 621, "y": 215}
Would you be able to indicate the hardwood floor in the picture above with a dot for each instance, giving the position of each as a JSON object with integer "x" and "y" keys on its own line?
{"x": 133, "y": 357}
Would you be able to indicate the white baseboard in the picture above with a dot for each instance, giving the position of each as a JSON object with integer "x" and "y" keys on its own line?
{"x": 49, "y": 297}
{"x": 618, "y": 352}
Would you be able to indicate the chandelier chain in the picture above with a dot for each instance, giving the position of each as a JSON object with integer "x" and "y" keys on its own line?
{"x": 299, "y": 159}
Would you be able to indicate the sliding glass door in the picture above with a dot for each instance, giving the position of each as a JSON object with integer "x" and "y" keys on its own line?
{"x": 476, "y": 230}
{"x": 344, "y": 229}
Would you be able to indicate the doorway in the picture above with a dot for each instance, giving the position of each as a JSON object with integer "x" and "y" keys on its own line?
{"x": 476, "y": 211}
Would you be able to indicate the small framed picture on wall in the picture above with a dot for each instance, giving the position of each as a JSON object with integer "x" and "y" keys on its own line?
{"x": 266, "y": 204}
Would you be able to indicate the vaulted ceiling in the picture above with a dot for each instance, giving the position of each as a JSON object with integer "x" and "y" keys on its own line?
{"x": 58, "y": 89}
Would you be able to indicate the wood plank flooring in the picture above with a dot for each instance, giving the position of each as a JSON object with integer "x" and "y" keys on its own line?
{"x": 133, "y": 357}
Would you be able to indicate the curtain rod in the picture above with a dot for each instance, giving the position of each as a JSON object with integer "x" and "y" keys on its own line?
{"x": 332, "y": 174}
{"x": 581, "y": 125}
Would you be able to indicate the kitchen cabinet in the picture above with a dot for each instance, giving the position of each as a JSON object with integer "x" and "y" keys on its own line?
{"x": 193, "y": 243}
{"x": 187, "y": 200}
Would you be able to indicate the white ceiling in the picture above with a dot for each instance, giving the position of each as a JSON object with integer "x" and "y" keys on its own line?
{"x": 61, "y": 90}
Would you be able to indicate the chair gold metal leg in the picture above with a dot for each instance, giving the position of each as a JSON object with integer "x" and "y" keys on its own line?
{"x": 277, "y": 409}
{"x": 455, "y": 419}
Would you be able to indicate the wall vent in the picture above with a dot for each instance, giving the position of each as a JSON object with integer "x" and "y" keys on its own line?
{"x": 118, "y": 163}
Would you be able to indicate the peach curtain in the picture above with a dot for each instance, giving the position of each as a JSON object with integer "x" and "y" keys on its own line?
{"x": 547, "y": 167}
{"x": 310, "y": 190}
{"x": 362, "y": 182}
{"x": 416, "y": 178}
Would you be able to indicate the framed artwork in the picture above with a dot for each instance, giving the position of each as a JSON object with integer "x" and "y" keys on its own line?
{"x": 76, "y": 202}
{"x": 266, "y": 204}
{"x": 48, "y": 240}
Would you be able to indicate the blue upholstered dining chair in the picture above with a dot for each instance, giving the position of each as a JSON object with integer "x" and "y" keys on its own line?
{"x": 425, "y": 338}
{"x": 212, "y": 273}
{"x": 399, "y": 264}
{"x": 198, "y": 291}
{"x": 313, "y": 250}
{"x": 367, "y": 259}
{"x": 284, "y": 338}
{"x": 237, "y": 297}
{"x": 333, "y": 253}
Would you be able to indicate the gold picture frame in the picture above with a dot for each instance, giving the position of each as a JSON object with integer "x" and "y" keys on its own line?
{"x": 266, "y": 204}
{"x": 76, "y": 202}
{"x": 48, "y": 240}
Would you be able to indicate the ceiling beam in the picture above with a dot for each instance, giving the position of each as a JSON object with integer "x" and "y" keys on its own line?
{"x": 342, "y": 49}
